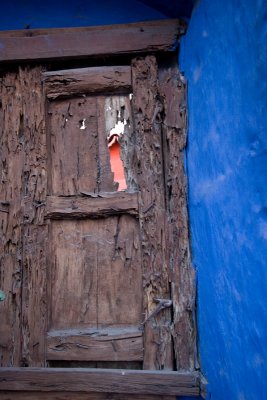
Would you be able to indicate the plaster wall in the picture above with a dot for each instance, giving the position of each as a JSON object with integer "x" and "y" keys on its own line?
{"x": 224, "y": 57}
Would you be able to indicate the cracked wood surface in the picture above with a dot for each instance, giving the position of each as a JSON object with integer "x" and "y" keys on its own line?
{"x": 148, "y": 167}
{"x": 44, "y": 44}
{"x": 71, "y": 82}
{"x": 8, "y": 395}
{"x": 11, "y": 190}
{"x": 23, "y": 176}
{"x": 100, "y": 380}
{"x": 64, "y": 266}
{"x": 101, "y": 206}
{"x": 95, "y": 273}
{"x": 182, "y": 276}
{"x": 121, "y": 344}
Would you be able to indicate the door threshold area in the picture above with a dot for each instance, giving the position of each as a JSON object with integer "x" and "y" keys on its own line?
{"x": 87, "y": 380}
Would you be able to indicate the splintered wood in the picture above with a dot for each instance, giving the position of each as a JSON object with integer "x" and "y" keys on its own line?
{"x": 90, "y": 273}
{"x": 182, "y": 276}
{"x": 23, "y": 239}
{"x": 148, "y": 167}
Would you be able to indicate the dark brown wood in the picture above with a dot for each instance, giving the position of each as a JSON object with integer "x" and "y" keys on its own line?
{"x": 173, "y": 92}
{"x": 71, "y": 82}
{"x": 113, "y": 344}
{"x": 148, "y": 165}
{"x": 35, "y": 230}
{"x": 11, "y": 190}
{"x": 4, "y": 206}
{"x": 9, "y": 395}
{"x": 92, "y": 206}
{"x": 95, "y": 273}
{"x": 91, "y": 41}
{"x": 119, "y": 272}
{"x": 100, "y": 380}
{"x": 73, "y": 135}
{"x": 83, "y": 265}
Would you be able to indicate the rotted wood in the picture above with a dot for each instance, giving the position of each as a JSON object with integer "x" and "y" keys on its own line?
{"x": 44, "y": 44}
{"x": 100, "y": 381}
{"x": 95, "y": 273}
{"x": 79, "y": 155}
{"x": 11, "y": 218}
{"x": 71, "y": 82}
{"x": 113, "y": 344}
{"x": 8, "y": 395}
{"x": 99, "y": 205}
{"x": 35, "y": 230}
{"x": 173, "y": 92}
{"x": 4, "y": 206}
{"x": 148, "y": 167}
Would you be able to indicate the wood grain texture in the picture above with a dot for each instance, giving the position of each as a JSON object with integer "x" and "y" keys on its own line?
{"x": 94, "y": 205}
{"x": 79, "y": 155}
{"x": 123, "y": 344}
{"x": 81, "y": 81}
{"x": 9, "y": 395}
{"x": 35, "y": 230}
{"x": 11, "y": 191}
{"x": 119, "y": 272}
{"x": 73, "y": 138}
{"x": 100, "y": 380}
{"x": 173, "y": 92}
{"x": 148, "y": 167}
{"x": 95, "y": 273}
{"x": 91, "y": 41}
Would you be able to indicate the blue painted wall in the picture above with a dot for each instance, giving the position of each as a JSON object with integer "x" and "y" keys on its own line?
{"x": 224, "y": 57}
{"x": 19, "y": 14}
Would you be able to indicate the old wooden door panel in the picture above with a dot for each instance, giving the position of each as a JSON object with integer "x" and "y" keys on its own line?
{"x": 23, "y": 186}
{"x": 73, "y": 274}
{"x": 172, "y": 86}
{"x": 95, "y": 255}
{"x": 86, "y": 268}
{"x": 149, "y": 168}
{"x": 95, "y": 273}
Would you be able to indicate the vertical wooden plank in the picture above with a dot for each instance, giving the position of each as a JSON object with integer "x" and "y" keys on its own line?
{"x": 11, "y": 173}
{"x": 148, "y": 167}
{"x": 34, "y": 296}
{"x": 173, "y": 92}
{"x": 74, "y": 138}
{"x": 119, "y": 272}
{"x": 105, "y": 177}
{"x": 73, "y": 274}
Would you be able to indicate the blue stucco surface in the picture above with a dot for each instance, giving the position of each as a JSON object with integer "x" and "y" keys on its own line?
{"x": 224, "y": 57}
{"x": 20, "y": 14}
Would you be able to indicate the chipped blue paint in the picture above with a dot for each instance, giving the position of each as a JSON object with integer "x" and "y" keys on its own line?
{"x": 224, "y": 56}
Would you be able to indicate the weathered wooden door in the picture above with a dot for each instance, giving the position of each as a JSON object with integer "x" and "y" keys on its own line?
{"x": 95, "y": 277}
{"x": 95, "y": 264}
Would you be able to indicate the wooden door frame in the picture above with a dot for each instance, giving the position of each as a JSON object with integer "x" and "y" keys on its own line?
{"x": 152, "y": 37}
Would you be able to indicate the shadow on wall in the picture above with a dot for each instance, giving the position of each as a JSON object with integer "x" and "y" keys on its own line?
{"x": 51, "y": 14}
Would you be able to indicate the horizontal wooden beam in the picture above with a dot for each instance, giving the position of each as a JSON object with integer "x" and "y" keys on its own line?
{"x": 62, "y": 44}
{"x": 114, "y": 344}
{"x": 87, "y": 80}
{"x": 9, "y": 395}
{"x": 92, "y": 205}
{"x": 100, "y": 380}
